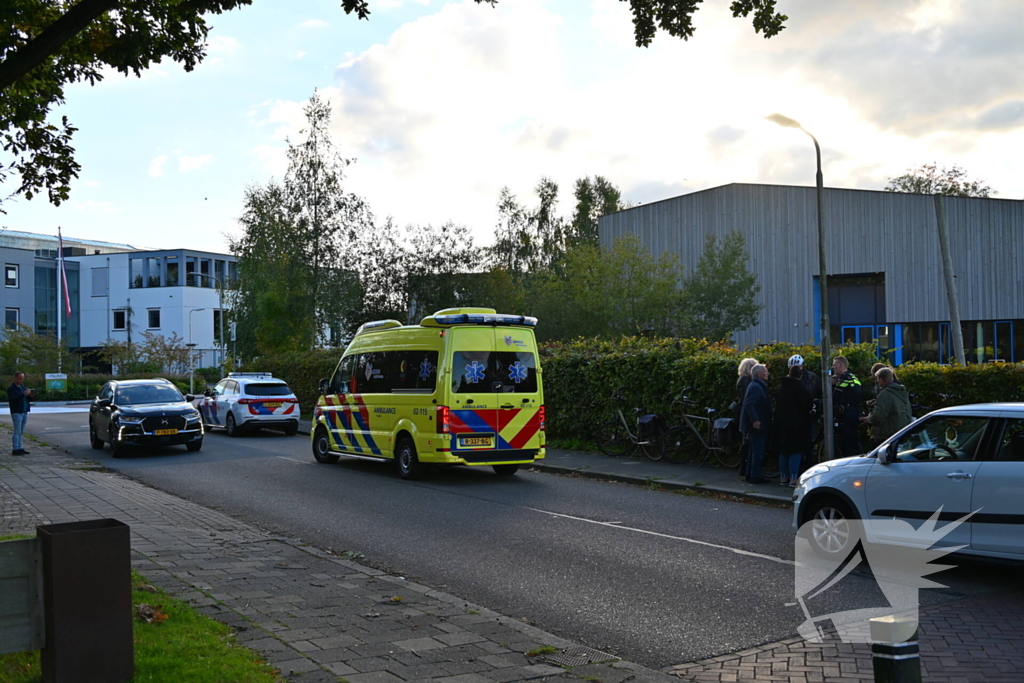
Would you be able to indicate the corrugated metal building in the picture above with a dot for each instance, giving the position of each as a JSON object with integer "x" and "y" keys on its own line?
{"x": 884, "y": 266}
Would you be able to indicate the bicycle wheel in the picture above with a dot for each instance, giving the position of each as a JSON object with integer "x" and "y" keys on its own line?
{"x": 729, "y": 456}
{"x": 613, "y": 440}
{"x": 652, "y": 447}
{"x": 678, "y": 444}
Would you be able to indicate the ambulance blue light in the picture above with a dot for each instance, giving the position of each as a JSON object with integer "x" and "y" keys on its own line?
{"x": 489, "y": 319}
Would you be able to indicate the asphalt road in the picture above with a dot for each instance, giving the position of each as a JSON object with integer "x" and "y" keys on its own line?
{"x": 656, "y": 577}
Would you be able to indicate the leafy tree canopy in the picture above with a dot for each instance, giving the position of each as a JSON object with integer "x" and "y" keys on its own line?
{"x": 720, "y": 295}
{"x": 935, "y": 179}
{"x": 47, "y": 44}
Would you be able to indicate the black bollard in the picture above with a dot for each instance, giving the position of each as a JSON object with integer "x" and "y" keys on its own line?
{"x": 894, "y": 650}
{"x": 87, "y": 596}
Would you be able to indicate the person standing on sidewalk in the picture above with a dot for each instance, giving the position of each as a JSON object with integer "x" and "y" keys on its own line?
{"x": 756, "y": 421}
{"x": 891, "y": 411}
{"x": 17, "y": 397}
{"x": 746, "y": 365}
{"x": 792, "y": 429}
{"x": 846, "y": 393}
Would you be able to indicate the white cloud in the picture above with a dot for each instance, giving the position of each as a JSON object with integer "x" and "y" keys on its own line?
{"x": 186, "y": 164}
{"x": 91, "y": 183}
{"x": 270, "y": 159}
{"x": 94, "y": 206}
{"x": 314, "y": 23}
{"x": 222, "y": 45}
{"x": 156, "y": 166}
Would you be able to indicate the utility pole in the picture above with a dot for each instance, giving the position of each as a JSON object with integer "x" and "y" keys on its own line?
{"x": 956, "y": 332}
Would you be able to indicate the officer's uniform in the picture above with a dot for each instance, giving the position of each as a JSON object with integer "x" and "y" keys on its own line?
{"x": 846, "y": 395}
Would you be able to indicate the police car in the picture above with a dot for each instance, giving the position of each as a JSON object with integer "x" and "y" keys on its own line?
{"x": 250, "y": 400}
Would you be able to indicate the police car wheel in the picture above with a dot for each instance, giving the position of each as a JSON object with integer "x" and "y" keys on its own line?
{"x": 322, "y": 447}
{"x": 229, "y": 425}
{"x": 505, "y": 470}
{"x": 409, "y": 466}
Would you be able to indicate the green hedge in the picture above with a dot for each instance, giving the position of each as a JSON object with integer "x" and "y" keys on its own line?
{"x": 86, "y": 387}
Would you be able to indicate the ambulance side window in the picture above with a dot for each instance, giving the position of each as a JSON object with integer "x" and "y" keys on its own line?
{"x": 414, "y": 371}
{"x": 340, "y": 382}
{"x": 372, "y": 376}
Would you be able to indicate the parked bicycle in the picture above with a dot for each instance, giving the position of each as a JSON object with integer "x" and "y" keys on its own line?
{"x": 699, "y": 433}
{"x": 617, "y": 438}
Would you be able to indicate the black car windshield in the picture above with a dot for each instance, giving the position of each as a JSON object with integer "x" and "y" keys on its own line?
{"x": 267, "y": 390}
{"x": 148, "y": 393}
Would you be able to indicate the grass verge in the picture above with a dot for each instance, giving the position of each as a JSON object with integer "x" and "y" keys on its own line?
{"x": 184, "y": 645}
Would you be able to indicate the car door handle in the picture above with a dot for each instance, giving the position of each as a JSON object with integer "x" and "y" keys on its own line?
{"x": 959, "y": 475}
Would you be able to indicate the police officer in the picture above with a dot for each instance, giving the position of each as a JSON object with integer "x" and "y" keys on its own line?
{"x": 846, "y": 395}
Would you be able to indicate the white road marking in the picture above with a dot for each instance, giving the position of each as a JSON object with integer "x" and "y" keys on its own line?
{"x": 612, "y": 525}
{"x": 301, "y": 462}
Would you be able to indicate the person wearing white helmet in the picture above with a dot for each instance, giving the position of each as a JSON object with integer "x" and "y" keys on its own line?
{"x": 809, "y": 380}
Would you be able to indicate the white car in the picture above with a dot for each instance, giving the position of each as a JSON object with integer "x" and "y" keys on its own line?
{"x": 250, "y": 400}
{"x": 954, "y": 462}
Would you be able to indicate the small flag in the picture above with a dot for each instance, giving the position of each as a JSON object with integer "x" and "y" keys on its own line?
{"x": 63, "y": 274}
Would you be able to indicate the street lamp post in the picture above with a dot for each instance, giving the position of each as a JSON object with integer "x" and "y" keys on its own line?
{"x": 220, "y": 296}
{"x": 191, "y": 350}
{"x": 826, "y": 386}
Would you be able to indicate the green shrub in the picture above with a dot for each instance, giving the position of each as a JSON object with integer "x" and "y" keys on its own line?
{"x": 302, "y": 370}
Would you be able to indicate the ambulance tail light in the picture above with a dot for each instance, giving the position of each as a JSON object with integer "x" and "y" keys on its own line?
{"x": 443, "y": 420}
{"x": 543, "y": 418}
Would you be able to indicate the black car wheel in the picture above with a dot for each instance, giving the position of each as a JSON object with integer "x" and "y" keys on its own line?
{"x": 94, "y": 440}
{"x": 116, "y": 447}
{"x": 505, "y": 470}
{"x": 194, "y": 445}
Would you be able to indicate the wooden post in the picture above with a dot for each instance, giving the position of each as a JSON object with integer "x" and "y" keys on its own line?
{"x": 955, "y": 330}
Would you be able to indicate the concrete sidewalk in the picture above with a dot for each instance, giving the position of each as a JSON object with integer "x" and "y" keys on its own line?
{"x": 315, "y": 616}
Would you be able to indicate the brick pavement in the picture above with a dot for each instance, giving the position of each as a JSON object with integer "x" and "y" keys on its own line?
{"x": 314, "y": 616}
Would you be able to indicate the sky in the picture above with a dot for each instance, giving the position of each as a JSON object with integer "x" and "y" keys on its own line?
{"x": 441, "y": 104}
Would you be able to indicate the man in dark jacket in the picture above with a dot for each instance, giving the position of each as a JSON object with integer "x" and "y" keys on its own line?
{"x": 756, "y": 421}
{"x": 892, "y": 411}
{"x": 17, "y": 399}
{"x": 792, "y": 428}
{"x": 846, "y": 395}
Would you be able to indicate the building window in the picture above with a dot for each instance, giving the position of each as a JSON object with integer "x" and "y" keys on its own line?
{"x": 172, "y": 271}
{"x": 11, "y": 275}
{"x": 11, "y": 318}
{"x": 154, "y": 318}
{"x": 216, "y": 326}
{"x": 100, "y": 282}
{"x": 120, "y": 320}
{"x": 153, "y": 271}
{"x": 135, "y": 273}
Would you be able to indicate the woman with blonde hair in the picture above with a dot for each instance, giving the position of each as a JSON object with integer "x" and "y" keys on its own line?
{"x": 742, "y": 382}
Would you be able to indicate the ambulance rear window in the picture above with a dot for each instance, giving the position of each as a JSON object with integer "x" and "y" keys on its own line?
{"x": 268, "y": 389}
{"x": 484, "y": 372}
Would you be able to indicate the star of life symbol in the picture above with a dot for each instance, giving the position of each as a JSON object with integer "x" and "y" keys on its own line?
{"x": 887, "y": 578}
{"x": 426, "y": 367}
{"x": 517, "y": 372}
{"x": 474, "y": 372}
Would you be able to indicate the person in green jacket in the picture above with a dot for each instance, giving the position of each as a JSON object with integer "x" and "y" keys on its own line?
{"x": 891, "y": 411}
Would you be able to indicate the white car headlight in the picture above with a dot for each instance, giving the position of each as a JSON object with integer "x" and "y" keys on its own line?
{"x": 130, "y": 420}
{"x": 813, "y": 472}
{"x": 193, "y": 416}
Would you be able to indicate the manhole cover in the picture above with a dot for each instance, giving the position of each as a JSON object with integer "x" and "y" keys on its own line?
{"x": 579, "y": 656}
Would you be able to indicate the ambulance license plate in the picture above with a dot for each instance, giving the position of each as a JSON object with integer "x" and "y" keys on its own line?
{"x": 271, "y": 404}
{"x": 475, "y": 441}
{"x": 165, "y": 432}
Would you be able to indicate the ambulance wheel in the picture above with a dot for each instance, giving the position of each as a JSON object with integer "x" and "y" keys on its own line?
{"x": 322, "y": 447}
{"x": 505, "y": 470}
{"x": 409, "y": 466}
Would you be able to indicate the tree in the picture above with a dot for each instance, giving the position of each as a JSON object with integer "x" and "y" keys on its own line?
{"x": 608, "y": 292}
{"x": 594, "y": 198}
{"x": 383, "y": 265}
{"x": 293, "y": 291}
{"x": 934, "y": 179}
{"x": 47, "y": 44}
{"x": 720, "y": 295}
{"x": 439, "y": 266}
{"x": 25, "y": 351}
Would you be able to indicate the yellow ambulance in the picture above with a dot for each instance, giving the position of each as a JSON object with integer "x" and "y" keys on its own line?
{"x": 461, "y": 388}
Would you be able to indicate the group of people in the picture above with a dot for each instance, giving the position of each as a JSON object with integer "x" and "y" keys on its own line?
{"x": 789, "y": 425}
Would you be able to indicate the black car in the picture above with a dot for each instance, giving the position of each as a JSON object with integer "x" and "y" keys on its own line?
{"x": 143, "y": 412}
